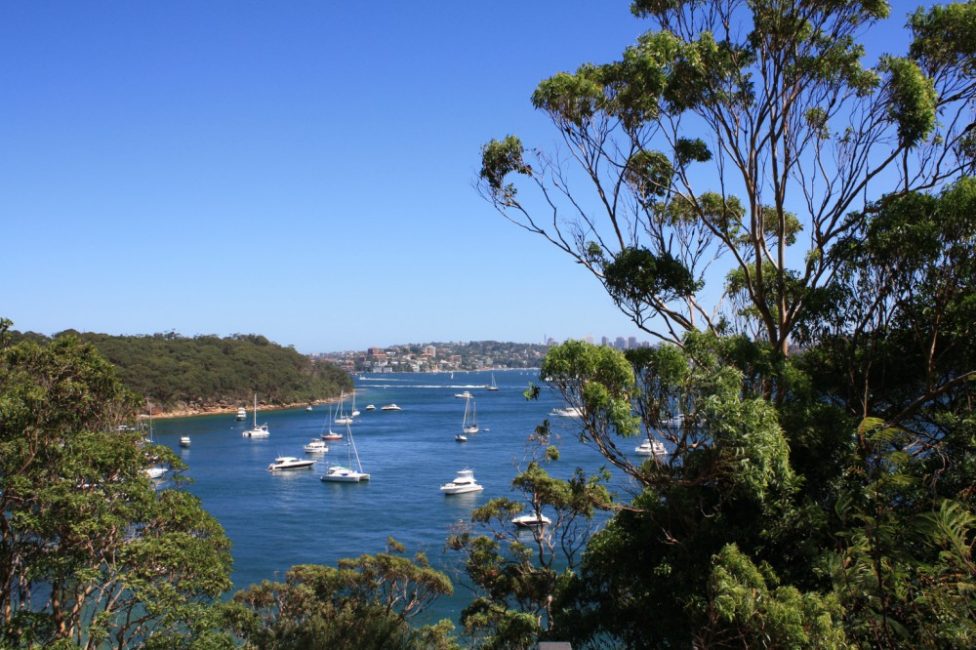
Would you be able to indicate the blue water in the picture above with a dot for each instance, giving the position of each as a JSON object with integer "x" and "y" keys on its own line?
{"x": 277, "y": 520}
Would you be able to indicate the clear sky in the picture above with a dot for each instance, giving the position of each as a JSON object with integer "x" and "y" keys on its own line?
{"x": 301, "y": 170}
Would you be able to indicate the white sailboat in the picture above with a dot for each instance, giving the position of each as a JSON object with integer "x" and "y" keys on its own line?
{"x": 342, "y": 474}
{"x": 256, "y": 431}
{"x": 156, "y": 470}
{"x": 331, "y": 435}
{"x": 342, "y": 418}
{"x": 354, "y": 412}
{"x": 492, "y": 386}
{"x": 470, "y": 422}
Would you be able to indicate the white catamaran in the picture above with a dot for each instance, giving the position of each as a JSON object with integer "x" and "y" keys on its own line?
{"x": 343, "y": 474}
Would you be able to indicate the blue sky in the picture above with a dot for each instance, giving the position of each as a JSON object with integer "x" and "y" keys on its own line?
{"x": 302, "y": 170}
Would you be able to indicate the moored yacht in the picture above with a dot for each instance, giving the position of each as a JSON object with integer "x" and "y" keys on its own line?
{"x": 289, "y": 462}
{"x": 241, "y": 413}
{"x": 370, "y": 407}
{"x": 463, "y": 483}
{"x": 316, "y": 447}
{"x": 470, "y": 422}
{"x": 390, "y": 407}
{"x": 567, "y": 412}
{"x": 650, "y": 448}
{"x": 256, "y": 431}
{"x": 184, "y": 441}
{"x": 531, "y": 521}
{"x": 342, "y": 474}
{"x": 156, "y": 471}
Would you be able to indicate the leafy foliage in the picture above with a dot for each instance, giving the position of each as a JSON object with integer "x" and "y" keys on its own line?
{"x": 208, "y": 370}
{"x": 365, "y": 602}
{"x": 90, "y": 552}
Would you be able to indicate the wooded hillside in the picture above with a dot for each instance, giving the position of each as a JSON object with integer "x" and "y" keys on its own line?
{"x": 202, "y": 371}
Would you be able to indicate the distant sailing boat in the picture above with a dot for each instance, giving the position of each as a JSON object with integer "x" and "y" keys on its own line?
{"x": 340, "y": 474}
{"x": 256, "y": 431}
{"x": 342, "y": 418}
{"x": 331, "y": 435}
{"x": 157, "y": 470}
{"x": 470, "y": 422}
{"x": 492, "y": 386}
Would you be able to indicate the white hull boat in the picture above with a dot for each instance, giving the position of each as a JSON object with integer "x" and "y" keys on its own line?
{"x": 184, "y": 441}
{"x": 257, "y": 431}
{"x": 463, "y": 483}
{"x": 339, "y": 474}
{"x": 531, "y": 521}
{"x": 390, "y": 407}
{"x": 469, "y": 424}
{"x": 316, "y": 447}
{"x": 345, "y": 474}
{"x": 650, "y": 448}
{"x": 567, "y": 412}
{"x": 155, "y": 471}
{"x": 282, "y": 463}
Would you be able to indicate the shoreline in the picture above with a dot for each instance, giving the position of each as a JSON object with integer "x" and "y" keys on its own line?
{"x": 220, "y": 409}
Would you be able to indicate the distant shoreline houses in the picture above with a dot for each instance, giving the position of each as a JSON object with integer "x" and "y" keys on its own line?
{"x": 450, "y": 356}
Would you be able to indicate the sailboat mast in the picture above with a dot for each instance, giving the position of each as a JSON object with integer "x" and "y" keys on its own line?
{"x": 255, "y": 410}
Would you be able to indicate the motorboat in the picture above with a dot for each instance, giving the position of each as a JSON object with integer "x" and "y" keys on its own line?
{"x": 184, "y": 441}
{"x": 370, "y": 407}
{"x": 463, "y": 483}
{"x": 344, "y": 473}
{"x": 308, "y": 408}
{"x": 241, "y": 414}
{"x": 256, "y": 431}
{"x": 650, "y": 448}
{"x": 390, "y": 407}
{"x": 470, "y": 422}
{"x": 316, "y": 447}
{"x": 567, "y": 412}
{"x": 531, "y": 520}
{"x": 460, "y": 438}
{"x": 465, "y": 395}
{"x": 289, "y": 462}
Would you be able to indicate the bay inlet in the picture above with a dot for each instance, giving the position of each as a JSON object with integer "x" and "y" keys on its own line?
{"x": 276, "y": 520}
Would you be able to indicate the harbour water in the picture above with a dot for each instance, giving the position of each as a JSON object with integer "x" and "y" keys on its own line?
{"x": 276, "y": 520}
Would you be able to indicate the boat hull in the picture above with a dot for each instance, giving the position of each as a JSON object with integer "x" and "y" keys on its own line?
{"x": 464, "y": 489}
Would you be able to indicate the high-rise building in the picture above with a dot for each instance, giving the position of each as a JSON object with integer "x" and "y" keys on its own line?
{"x": 631, "y": 342}
{"x": 604, "y": 341}
{"x": 620, "y": 343}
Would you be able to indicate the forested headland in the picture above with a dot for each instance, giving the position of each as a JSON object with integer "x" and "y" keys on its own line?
{"x": 203, "y": 373}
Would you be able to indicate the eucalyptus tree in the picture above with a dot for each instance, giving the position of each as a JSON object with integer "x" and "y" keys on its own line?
{"x": 747, "y": 137}
{"x": 819, "y": 496}
{"x": 91, "y": 553}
